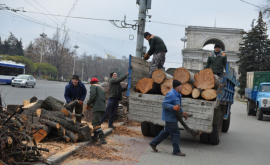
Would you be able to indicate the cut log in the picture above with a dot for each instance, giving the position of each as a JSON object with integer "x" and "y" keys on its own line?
{"x": 147, "y": 85}
{"x": 32, "y": 110}
{"x": 72, "y": 136}
{"x": 51, "y": 103}
{"x": 85, "y": 133}
{"x": 26, "y": 102}
{"x": 166, "y": 86}
{"x": 196, "y": 93}
{"x": 159, "y": 76}
{"x": 49, "y": 123}
{"x": 184, "y": 76}
{"x": 206, "y": 79}
{"x": 186, "y": 89}
{"x": 209, "y": 94}
{"x": 28, "y": 105}
{"x": 40, "y": 133}
{"x": 33, "y": 99}
{"x": 13, "y": 108}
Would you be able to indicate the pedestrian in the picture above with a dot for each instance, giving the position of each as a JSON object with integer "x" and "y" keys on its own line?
{"x": 98, "y": 102}
{"x": 158, "y": 49}
{"x": 115, "y": 95}
{"x": 75, "y": 90}
{"x": 217, "y": 61}
{"x": 171, "y": 105}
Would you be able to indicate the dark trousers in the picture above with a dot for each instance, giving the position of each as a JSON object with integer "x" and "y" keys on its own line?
{"x": 112, "y": 106}
{"x": 172, "y": 129}
{"x": 97, "y": 115}
{"x": 78, "y": 110}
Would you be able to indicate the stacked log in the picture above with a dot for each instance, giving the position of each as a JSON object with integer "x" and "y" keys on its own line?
{"x": 202, "y": 85}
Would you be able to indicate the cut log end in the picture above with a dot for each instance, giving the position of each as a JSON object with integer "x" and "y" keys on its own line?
{"x": 144, "y": 85}
{"x": 196, "y": 93}
{"x": 182, "y": 75}
{"x": 65, "y": 112}
{"x": 158, "y": 76}
{"x": 26, "y": 102}
{"x": 186, "y": 89}
{"x": 205, "y": 79}
{"x": 40, "y": 135}
{"x": 209, "y": 94}
{"x": 38, "y": 112}
{"x": 9, "y": 140}
{"x": 166, "y": 86}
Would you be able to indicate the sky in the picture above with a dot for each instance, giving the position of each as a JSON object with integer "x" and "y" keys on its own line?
{"x": 101, "y": 37}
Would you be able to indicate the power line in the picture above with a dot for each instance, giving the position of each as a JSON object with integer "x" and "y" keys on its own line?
{"x": 249, "y": 3}
{"x": 172, "y": 24}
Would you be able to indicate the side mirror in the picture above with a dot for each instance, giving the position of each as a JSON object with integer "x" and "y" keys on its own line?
{"x": 255, "y": 88}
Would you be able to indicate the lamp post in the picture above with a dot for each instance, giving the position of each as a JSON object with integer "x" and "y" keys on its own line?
{"x": 76, "y": 47}
{"x": 184, "y": 39}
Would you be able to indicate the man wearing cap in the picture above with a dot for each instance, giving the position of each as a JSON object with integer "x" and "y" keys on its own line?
{"x": 217, "y": 61}
{"x": 171, "y": 105}
{"x": 98, "y": 102}
{"x": 115, "y": 92}
{"x": 158, "y": 49}
{"x": 75, "y": 90}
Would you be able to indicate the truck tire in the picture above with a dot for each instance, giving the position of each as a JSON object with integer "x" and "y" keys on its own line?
{"x": 145, "y": 128}
{"x": 249, "y": 110}
{"x": 259, "y": 114}
{"x": 155, "y": 129}
{"x": 214, "y": 137}
{"x": 226, "y": 124}
{"x": 204, "y": 138}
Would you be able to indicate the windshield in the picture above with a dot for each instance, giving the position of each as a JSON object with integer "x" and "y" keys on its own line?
{"x": 266, "y": 88}
{"x": 22, "y": 77}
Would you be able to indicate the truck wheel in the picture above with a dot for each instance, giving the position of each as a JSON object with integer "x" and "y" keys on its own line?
{"x": 155, "y": 129}
{"x": 249, "y": 111}
{"x": 204, "y": 138}
{"x": 145, "y": 128}
{"x": 226, "y": 124}
{"x": 259, "y": 114}
{"x": 214, "y": 137}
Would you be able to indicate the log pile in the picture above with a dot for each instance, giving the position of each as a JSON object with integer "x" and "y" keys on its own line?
{"x": 202, "y": 85}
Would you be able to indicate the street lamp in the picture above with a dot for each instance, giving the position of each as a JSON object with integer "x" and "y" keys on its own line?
{"x": 184, "y": 39}
{"x": 76, "y": 47}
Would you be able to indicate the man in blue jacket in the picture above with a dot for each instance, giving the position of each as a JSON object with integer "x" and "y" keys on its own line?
{"x": 75, "y": 90}
{"x": 171, "y": 105}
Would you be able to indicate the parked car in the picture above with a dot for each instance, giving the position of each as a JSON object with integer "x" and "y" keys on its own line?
{"x": 24, "y": 81}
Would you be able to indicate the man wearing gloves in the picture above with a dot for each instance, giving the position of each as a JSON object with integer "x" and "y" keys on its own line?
{"x": 217, "y": 61}
{"x": 158, "y": 49}
{"x": 98, "y": 102}
{"x": 75, "y": 90}
{"x": 171, "y": 105}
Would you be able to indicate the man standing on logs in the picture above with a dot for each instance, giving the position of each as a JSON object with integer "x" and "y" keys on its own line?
{"x": 217, "y": 61}
{"x": 171, "y": 105}
{"x": 98, "y": 102}
{"x": 158, "y": 49}
{"x": 115, "y": 92}
{"x": 75, "y": 90}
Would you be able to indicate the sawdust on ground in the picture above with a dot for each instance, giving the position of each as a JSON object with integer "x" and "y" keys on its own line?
{"x": 55, "y": 147}
{"x": 124, "y": 131}
{"x": 133, "y": 123}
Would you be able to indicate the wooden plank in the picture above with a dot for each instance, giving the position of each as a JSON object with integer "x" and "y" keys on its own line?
{"x": 140, "y": 67}
{"x": 140, "y": 61}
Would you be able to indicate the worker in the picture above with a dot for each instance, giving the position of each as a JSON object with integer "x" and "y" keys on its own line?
{"x": 98, "y": 102}
{"x": 171, "y": 105}
{"x": 75, "y": 90}
{"x": 217, "y": 61}
{"x": 115, "y": 95}
{"x": 158, "y": 49}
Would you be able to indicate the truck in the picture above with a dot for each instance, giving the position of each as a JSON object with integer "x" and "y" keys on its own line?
{"x": 209, "y": 117}
{"x": 257, "y": 92}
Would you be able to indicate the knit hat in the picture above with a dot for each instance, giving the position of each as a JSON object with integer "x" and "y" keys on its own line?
{"x": 75, "y": 77}
{"x": 217, "y": 46}
{"x": 111, "y": 74}
{"x": 94, "y": 80}
{"x": 176, "y": 83}
{"x": 146, "y": 34}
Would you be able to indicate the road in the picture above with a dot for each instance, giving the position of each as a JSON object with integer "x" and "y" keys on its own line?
{"x": 16, "y": 95}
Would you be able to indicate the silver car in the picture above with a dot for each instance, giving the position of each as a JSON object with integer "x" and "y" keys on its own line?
{"x": 24, "y": 81}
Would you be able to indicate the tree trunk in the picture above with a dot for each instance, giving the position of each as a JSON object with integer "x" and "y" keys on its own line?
{"x": 166, "y": 86}
{"x": 32, "y": 110}
{"x": 206, "y": 79}
{"x": 159, "y": 76}
{"x": 49, "y": 123}
{"x": 147, "y": 85}
{"x": 209, "y": 94}
{"x": 196, "y": 93}
{"x": 184, "y": 76}
{"x": 51, "y": 103}
{"x": 85, "y": 133}
{"x": 186, "y": 89}
{"x": 72, "y": 136}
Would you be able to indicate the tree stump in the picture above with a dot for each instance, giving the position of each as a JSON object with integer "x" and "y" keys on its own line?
{"x": 209, "y": 94}
{"x": 166, "y": 86}
{"x": 159, "y": 76}
{"x": 186, "y": 89}
{"x": 206, "y": 79}
{"x": 184, "y": 76}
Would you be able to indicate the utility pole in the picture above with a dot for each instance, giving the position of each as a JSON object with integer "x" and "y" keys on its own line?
{"x": 82, "y": 70}
{"x": 43, "y": 35}
{"x": 76, "y": 47}
{"x": 141, "y": 27}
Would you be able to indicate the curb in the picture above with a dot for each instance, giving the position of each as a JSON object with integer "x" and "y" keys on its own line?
{"x": 57, "y": 160}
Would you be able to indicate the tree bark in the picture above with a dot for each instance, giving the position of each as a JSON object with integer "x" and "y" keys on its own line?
{"x": 196, "y": 93}
{"x": 40, "y": 133}
{"x": 206, "y": 79}
{"x": 186, "y": 89}
{"x": 166, "y": 86}
{"x": 72, "y": 136}
{"x": 85, "y": 133}
{"x": 209, "y": 94}
{"x": 184, "y": 76}
{"x": 28, "y": 112}
{"x": 51, "y": 103}
{"x": 159, "y": 76}
{"x": 147, "y": 85}
{"x": 49, "y": 123}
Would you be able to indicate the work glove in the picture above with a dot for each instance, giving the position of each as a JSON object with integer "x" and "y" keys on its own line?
{"x": 146, "y": 56}
{"x": 185, "y": 113}
{"x": 176, "y": 108}
{"x": 80, "y": 102}
{"x": 88, "y": 107}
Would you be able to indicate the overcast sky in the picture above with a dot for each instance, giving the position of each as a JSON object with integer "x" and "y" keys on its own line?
{"x": 100, "y": 37}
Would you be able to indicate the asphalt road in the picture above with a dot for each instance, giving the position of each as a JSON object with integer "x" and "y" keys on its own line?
{"x": 16, "y": 95}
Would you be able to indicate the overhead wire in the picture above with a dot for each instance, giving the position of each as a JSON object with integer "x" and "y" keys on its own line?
{"x": 250, "y": 3}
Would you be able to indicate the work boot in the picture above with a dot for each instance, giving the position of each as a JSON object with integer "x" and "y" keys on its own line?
{"x": 102, "y": 140}
{"x": 180, "y": 154}
{"x": 95, "y": 137}
{"x": 154, "y": 148}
